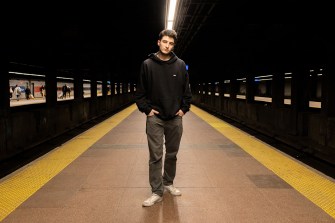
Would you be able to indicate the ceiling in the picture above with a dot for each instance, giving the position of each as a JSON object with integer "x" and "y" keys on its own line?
{"x": 110, "y": 39}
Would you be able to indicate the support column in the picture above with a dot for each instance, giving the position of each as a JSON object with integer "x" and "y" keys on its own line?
{"x": 104, "y": 88}
{"x": 118, "y": 87}
{"x": 51, "y": 87}
{"x": 78, "y": 87}
{"x": 113, "y": 88}
{"x": 300, "y": 91}
{"x": 4, "y": 88}
{"x": 278, "y": 85}
{"x": 300, "y": 99}
{"x": 250, "y": 89}
{"x": 51, "y": 101}
{"x": 5, "y": 126}
{"x": 233, "y": 89}
{"x": 328, "y": 92}
{"x": 93, "y": 88}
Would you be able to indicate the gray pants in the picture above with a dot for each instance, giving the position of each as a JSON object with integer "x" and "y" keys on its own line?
{"x": 157, "y": 130}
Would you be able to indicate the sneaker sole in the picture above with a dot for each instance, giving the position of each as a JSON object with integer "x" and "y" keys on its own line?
{"x": 149, "y": 205}
{"x": 175, "y": 194}
{"x": 171, "y": 192}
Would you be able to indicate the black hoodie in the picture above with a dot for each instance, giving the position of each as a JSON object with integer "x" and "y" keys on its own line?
{"x": 163, "y": 86}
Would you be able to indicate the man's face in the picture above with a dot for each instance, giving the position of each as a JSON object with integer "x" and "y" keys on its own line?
{"x": 166, "y": 44}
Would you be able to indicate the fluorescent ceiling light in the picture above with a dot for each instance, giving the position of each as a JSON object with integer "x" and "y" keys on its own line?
{"x": 171, "y": 13}
{"x": 65, "y": 78}
{"x": 38, "y": 75}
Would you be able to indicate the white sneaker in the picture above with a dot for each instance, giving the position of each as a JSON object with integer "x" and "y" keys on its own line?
{"x": 152, "y": 200}
{"x": 174, "y": 191}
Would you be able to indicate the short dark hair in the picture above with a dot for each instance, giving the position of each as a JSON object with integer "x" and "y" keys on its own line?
{"x": 168, "y": 32}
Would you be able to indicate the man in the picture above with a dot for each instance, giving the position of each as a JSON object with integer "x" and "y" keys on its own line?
{"x": 163, "y": 94}
{"x": 64, "y": 90}
{"x": 17, "y": 92}
{"x": 28, "y": 92}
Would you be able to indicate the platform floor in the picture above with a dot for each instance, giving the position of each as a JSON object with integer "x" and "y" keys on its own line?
{"x": 225, "y": 175}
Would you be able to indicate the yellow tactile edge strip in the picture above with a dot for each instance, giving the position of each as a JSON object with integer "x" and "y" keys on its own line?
{"x": 15, "y": 189}
{"x": 318, "y": 189}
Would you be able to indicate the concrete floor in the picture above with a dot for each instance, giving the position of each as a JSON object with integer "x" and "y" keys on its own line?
{"x": 219, "y": 181}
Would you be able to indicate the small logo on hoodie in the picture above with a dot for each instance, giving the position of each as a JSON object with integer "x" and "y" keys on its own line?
{"x": 174, "y": 75}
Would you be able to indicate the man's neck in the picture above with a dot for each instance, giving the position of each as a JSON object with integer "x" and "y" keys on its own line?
{"x": 162, "y": 56}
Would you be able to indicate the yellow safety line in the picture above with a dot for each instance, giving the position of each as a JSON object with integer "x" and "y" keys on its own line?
{"x": 19, "y": 187}
{"x": 315, "y": 187}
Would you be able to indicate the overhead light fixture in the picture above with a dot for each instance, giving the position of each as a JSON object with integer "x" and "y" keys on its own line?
{"x": 27, "y": 74}
{"x": 171, "y": 12}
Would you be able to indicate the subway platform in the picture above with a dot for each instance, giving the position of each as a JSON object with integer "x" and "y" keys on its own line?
{"x": 225, "y": 175}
